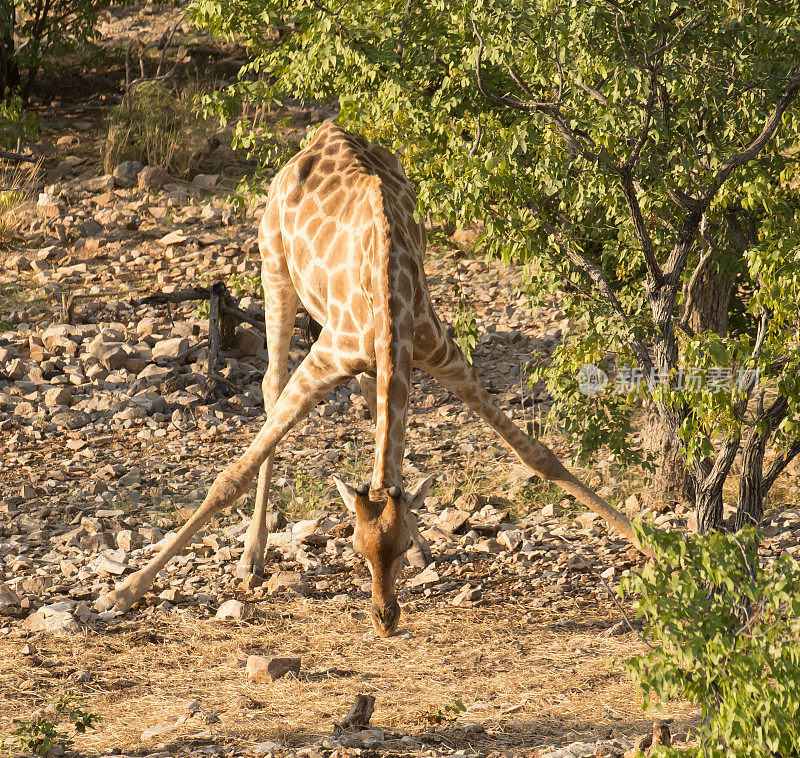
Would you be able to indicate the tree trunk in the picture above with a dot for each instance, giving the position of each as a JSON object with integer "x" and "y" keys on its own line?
{"x": 709, "y": 301}
{"x": 672, "y": 483}
{"x": 709, "y": 508}
{"x": 711, "y": 295}
{"x": 750, "y": 509}
{"x": 9, "y": 71}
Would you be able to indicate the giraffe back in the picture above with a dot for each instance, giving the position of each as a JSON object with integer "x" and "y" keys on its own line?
{"x": 334, "y": 204}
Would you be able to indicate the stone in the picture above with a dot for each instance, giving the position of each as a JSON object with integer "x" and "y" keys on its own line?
{"x": 206, "y": 181}
{"x": 157, "y": 731}
{"x": 106, "y": 565}
{"x": 586, "y": 520}
{"x": 248, "y": 340}
{"x": 551, "y": 510}
{"x": 173, "y": 238}
{"x": 170, "y": 348}
{"x": 60, "y": 622}
{"x": 126, "y": 174}
{"x": 265, "y": 748}
{"x": 286, "y": 580}
{"x": 128, "y": 540}
{"x": 71, "y": 419}
{"x": 58, "y": 396}
{"x": 425, "y": 577}
{"x": 510, "y": 539}
{"x": 103, "y": 183}
{"x": 466, "y": 594}
{"x": 261, "y": 669}
{"x": 153, "y": 178}
{"x": 454, "y": 520}
{"x": 56, "y": 333}
{"x": 234, "y": 610}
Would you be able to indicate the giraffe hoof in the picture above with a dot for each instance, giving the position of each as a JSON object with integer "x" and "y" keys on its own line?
{"x": 249, "y": 572}
{"x": 114, "y": 601}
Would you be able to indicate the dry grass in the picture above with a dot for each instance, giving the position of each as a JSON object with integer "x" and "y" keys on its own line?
{"x": 524, "y": 682}
{"x": 163, "y": 128}
{"x": 16, "y": 199}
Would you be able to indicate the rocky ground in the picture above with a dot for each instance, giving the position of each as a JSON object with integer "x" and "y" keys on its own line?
{"x": 112, "y": 433}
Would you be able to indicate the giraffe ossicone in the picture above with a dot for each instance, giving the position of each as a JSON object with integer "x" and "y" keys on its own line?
{"x": 339, "y": 235}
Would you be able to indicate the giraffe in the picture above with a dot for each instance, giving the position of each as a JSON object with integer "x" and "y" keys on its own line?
{"x": 339, "y": 235}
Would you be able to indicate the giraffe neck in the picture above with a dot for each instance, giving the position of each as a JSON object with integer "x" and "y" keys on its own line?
{"x": 393, "y": 315}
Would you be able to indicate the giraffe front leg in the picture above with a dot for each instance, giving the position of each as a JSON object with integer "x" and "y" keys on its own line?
{"x": 316, "y": 376}
{"x": 280, "y": 307}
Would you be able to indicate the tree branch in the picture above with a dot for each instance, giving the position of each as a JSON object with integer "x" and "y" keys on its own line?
{"x": 754, "y": 148}
{"x": 778, "y": 465}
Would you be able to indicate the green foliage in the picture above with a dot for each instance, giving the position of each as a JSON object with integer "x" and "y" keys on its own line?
{"x": 33, "y": 33}
{"x": 39, "y": 734}
{"x": 465, "y": 322}
{"x": 15, "y": 124}
{"x": 726, "y": 632}
{"x": 245, "y": 285}
{"x": 434, "y": 716}
{"x": 162, "y": 127}
{"x": 615, "y": 148}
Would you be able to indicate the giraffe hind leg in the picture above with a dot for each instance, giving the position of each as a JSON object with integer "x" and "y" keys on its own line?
{"x": 452, "y": 369}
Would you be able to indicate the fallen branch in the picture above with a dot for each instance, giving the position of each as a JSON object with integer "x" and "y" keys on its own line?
{"x": 8, "y": 155}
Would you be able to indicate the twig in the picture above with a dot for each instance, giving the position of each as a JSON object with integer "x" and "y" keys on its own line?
{"x": 611, "y": 594}
{"x": 9, "y": 155}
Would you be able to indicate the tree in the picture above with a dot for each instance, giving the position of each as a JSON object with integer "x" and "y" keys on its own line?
{"x": 636, "y": 155}
{"x": 29, "y": 28}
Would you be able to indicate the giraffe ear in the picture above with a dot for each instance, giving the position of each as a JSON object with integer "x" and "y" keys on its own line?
{"x": 415, "y": 496}
{"x": 347, "y": 492}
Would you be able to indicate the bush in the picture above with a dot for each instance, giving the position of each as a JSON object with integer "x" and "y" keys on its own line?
{"x": 15, "y": 125}
{"x": 162, "y": 128}
{"x": 17, "y": 186}
{"x": 726, "y": 634}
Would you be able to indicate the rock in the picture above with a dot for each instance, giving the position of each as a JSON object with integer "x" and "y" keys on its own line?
{"x": 471, "y": 503}
{"x": 128, "y": 540}
{"x": 234, "y": 610}
{"x": 157, "y": 731}
{"x": 466, "y": 594}
{"x": 126, "y": 174}
{"x": 58, "y": 396}
{"x": 106, "y": 565}
{"x": 261, "y": 669}
{"x": 510, "y": 539}
{"x": 206, "y": 181}
{"x": 265, "y": 748}
{"x": 103, "y": 183}
{"x": 170, "y": 348}
{"x": 173, "y": 238}
{"x": 57, "y": 333}
{"x": 454, "y": 520}
{"x": 552, "y": 509}
{"x": 586, "y": 520}
{"x": 70, "y": 419}
{"x": 60, "y": 622}
{"x": 426, "y": 577}
{"x": 153, "y": 178}
{"x": 111, "y": 354}
{"x": 248, "y": 340}
{"x": 286, "y": 580}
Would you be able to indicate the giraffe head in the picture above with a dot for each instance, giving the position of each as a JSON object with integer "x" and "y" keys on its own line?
{"x": 382, "y": 535}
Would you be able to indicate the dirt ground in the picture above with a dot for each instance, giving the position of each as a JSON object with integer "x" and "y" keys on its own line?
{"x": 530, "y": 663}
